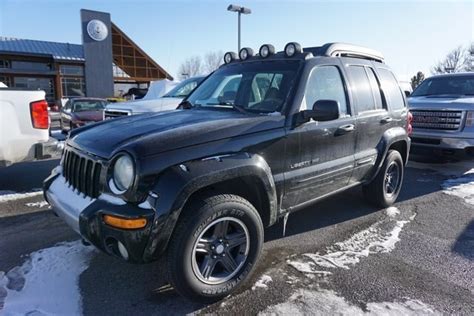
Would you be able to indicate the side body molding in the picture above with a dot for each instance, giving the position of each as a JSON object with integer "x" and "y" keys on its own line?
{"x": 176, "y": 184}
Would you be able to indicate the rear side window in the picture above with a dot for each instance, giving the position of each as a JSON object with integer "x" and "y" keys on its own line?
{"x": 375, "y": 86}
{"x": 362, "y": 89}
{"x": 392, "y": 91}
{"x": 325, "y": 83}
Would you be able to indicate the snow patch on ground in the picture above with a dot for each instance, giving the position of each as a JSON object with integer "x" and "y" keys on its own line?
{"x": 12, "y": 196}
{"x": 40, "y": 204}
{"x": 462, "y": 187}
{"x": 47, "y": 283}
{"x": 262, "y": 282}
{"x": 325, "y": 302}
{"x": 349, "y": 252}
{"x": 392, "y": 211}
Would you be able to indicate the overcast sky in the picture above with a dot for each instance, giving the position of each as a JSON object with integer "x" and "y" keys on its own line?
{"x": 413, "y": 35}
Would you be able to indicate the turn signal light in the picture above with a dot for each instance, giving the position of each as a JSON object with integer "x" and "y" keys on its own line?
{"x": 39, "y": 114}
{"x": 124, "y": 223}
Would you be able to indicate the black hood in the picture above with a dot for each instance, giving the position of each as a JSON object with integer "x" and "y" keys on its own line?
{"x": 153, "y": 133}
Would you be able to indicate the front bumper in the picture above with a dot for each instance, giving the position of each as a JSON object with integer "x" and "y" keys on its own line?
{"x": 85, "y": 216}
{"x": 445, "y": 145}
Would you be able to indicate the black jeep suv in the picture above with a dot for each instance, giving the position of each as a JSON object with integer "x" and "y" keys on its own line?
{"x": 261, "y": 137}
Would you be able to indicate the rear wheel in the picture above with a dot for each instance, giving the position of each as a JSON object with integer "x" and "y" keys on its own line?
{"x": 383, "y": 191}
{"x": 214, "y": 247}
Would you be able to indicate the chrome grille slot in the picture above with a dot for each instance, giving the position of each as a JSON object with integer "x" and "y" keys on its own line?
{"x": 82, "y": 173}
{"x": 110, "y": 114}
{"x": 437, "y": 120}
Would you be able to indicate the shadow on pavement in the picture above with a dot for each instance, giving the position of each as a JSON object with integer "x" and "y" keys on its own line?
{"x": 26, "y": 176}
{"x": 464, "y": 244}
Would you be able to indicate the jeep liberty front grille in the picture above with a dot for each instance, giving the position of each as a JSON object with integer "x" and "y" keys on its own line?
{"x": 82, "y": 173}
{"x": 437, "y": 120}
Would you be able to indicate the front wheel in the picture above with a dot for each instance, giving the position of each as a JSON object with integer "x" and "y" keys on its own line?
{"x": 215, "y": 247}
{"x": 383, "y": 191}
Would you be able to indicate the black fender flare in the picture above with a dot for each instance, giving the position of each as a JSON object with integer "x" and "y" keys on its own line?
{"x": 390, "y": 137}
{"x": 176, "y": 184}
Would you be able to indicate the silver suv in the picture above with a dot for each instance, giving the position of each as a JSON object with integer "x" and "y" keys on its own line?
{"x": 443, "y": 116}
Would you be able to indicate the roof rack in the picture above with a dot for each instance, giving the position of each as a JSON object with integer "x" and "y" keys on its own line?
{"x": 346, "y": 50}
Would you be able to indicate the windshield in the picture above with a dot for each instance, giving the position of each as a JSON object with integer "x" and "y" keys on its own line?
{"x": 252, "y": 87}
{"x": 449, "y": 85}
{"x": 81, "y": 106}
{"x": 183, "y": 89}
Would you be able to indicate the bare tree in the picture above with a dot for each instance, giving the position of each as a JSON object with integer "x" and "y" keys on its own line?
{"x": 417, "y": 79}
{"x": 213, "y": 60}
{"x": 455, "y": 61}
{"x": 469, "y": 64}
{"x": 190, "y": 67}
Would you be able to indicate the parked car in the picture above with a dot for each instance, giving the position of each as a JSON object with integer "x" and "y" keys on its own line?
{"x": 169, "y": 101}
{"x": 202, "y": 183}
{"x": 443, "y": 116}
{"x": 24, "y": 127}
{"x": 81, "y": 111}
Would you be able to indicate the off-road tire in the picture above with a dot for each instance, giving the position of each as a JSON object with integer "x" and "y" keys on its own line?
{"x": 375, "y": 192}
{"x": 194, "y": 220}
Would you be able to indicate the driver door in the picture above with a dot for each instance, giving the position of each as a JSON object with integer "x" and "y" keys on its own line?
{"x": 320, "y": 154}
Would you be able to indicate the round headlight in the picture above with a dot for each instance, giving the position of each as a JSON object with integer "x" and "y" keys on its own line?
{"x": 124, "y": 173}
{"x": 245, "y": 53}
{"x": 266, "y": 50}
{"x": 292, "y": 49}
{"x": 229, "y": 57}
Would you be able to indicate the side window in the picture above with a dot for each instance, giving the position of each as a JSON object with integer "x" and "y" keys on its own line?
{"x": 392, "y": 90}
{"x": 229, "y": 91}
{"x": 325, "y": 83}
{"x": 362, "y": 89}
{"x": 375, "y": 86}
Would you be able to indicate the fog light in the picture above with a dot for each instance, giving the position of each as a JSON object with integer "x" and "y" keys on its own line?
{"x": 291, "y": 49}
{"x": 245, "y": 53}
{"x": 266, "y": 50}
{"x": 229, "y": 57}
{"x": 123, "y": 251}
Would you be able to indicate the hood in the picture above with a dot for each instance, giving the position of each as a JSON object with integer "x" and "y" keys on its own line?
{"x": 89, "y": 115}
{"x": 153, "y": 133}
{"x": 442, "y": 103}
{"x": 144, "y": 106}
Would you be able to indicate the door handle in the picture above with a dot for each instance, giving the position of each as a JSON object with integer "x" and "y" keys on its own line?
{"x": 386, "y": 120}
{"x": 344, "y": 129}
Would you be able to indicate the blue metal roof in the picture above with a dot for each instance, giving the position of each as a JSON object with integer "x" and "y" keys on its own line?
{"x": 58, "y": 51}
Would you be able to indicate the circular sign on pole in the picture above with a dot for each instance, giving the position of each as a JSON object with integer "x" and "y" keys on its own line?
{"x": 97, "y": 30}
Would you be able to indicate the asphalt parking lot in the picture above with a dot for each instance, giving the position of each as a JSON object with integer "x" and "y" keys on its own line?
{"x": 338, "y": 256}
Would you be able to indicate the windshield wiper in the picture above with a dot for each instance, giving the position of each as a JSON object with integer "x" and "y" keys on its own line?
{"x": 234, "y": 106}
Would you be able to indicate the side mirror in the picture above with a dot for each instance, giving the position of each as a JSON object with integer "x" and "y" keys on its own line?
{"x": 407, "y": 93}
{"x": 323, "y": 110}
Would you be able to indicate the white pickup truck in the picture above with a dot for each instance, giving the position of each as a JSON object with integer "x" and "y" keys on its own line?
{"x": 24, "y": 127}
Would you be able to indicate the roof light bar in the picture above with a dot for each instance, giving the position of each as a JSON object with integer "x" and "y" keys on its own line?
{"x": 229, "y": 57}
{"x": 292, "y": 48}
{"x": 266, "y": 50}
{"x": 245, "y": 53}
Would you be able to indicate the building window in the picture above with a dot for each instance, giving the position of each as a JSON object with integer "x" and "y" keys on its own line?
{"x": 35, "y": 83}
{"x": 28, "y": 65}
{"x": 73, "y": 87}
{"x": 4, "y": 63}
{"x": 6, "y": 80}
{"x": 71, "y": 70}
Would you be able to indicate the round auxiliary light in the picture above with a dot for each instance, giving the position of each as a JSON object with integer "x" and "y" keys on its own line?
{"x": 293, "y": 48}
{"x": 123, "y": 172}
{"x": 229, "y": 57}
{"x": 266, "y": 50}
{"x": 245, "y": 53}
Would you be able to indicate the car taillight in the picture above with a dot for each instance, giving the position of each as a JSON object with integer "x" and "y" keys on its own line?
{"x": 470, "y": 119}
{"x": 409, "y": 121}
{"x": 39, "y": 114}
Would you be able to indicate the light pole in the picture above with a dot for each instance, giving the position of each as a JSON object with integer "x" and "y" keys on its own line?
{"x": 240, "y": 10}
